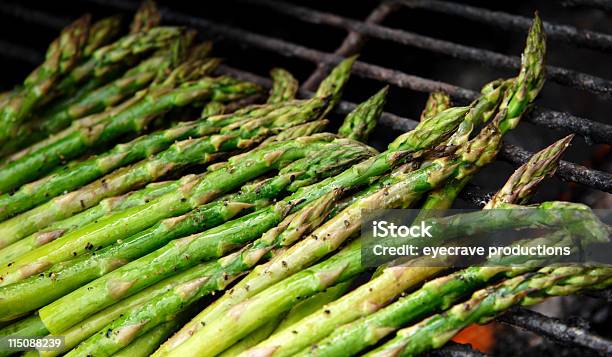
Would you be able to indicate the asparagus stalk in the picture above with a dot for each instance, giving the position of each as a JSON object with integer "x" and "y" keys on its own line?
{"x": 284, "y": 86}
{"x": 106, "y": 206}
{"x": 86, "y": 328}
{"x": 521, "y": 92}
{"x": 391, "y": 282}
{"x": 357, "y": 175}
{"x": 334, "y": 83}
{"x": 426, "y": 135}
{"x": 218, "y": 275}
{"x": 40, "y": 290}
{"x": 101, "y": 33}
{"x": 236, "y": 132}
{"x": 132, "y": 119}
{"x": 436, "y": 102}
{"x": 61, "y": 115}
{"x": 192, "y": 194}
{"x": 179, "y": 155}
{"x": 320, "y": 243}
{"x": 523, "y": 181}
{"x": 148, "y": 343}
{"x": 213, "y": 108}
{"x": 353, "y": 337}
{"x": 146, "y": 17}
{"x": 255, "y": 337}
{"x": 359, "y": 123}
{"x": 124, "y": 52}
{"x": 300, "y": 311}
{"x": 62, "y": 55}
{"x": 29, "y": 326}
{"x": 486, "y": 304}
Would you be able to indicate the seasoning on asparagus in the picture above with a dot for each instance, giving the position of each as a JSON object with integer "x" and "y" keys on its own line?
{"x": 235, "y": 132}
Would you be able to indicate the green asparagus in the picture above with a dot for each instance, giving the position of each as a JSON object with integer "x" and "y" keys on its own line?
{"x": 521, "y": 92}
{"x": 436, "y": 102}
{"x": 218, "y": 275}
{"x": 485, "y": 304}
{"x": 355, "y": 336}
{"x": 124, "y": 52}
{"x": 235, "y": 133}
{"x": 357, "y": 175}
{"x": 359, "y": 123}
{"x": 61, "y": 57}
{"x": 181, "y": 154}
{"x": 146, "y": 17}
{"x": 284, "y": 86}
{"x": 333, "y": 84}
{"x": 298, "y": 312}
{"x": 132, "y": 119}
{"x": 43, "y": 289}
{"x": 411, "y": 144}
{"x": 106, "y": 206}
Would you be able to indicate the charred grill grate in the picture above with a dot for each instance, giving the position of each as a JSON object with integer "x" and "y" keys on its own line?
{"x": 357, "y": 32}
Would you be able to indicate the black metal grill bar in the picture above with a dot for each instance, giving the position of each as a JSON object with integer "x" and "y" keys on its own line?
{"x": 597, "y": 132}
{"x": 601, "y": 294}
{"x": 570, "y": 171}
{"x": 344, "y": 107}
{"x": 556, "y": 330}
{"x": 452, "y": 349}
{"x": 20, "y": 53}
{"x": 560, "y": 75}
{"x": 569, "y": 34}
{"x": 594, "y": 131}
{"x": 567, "y": 171}
{"x": 350, "y": 46}
{"x": 33, "y": 16}
{"x": 599, "y": 4}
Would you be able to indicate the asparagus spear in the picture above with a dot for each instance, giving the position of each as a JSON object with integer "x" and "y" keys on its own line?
{"x": 181, "y": 154}
{"x": 59, "y": 116}
{"x": 213, "y": 108}
{"x": 106, "y": 206}
{"x": 324, "y": 240}
{"x": 40, "y": 290}
{"x": 62, "y": 55}
{"x": 148, "y": 343}
{"x": 300, "y": 311}
{"x": 333, "y": 84}
{"x": 122, "y": 53}
{"x": 195, "y": 193}
{"x": 436, "y": 102}
{"x": 426, "y": 135}
{"x": 132, "y": 119}
{"x": 359, "y": 123}
{"x": 171, "y": 157}
{"x": 522, "y": 91}
{"x": 351, "y": 338}
{"x": 357, "y": 175}
{"x": 523, "y": 181}
{"x": 146, "y": 17}
{"x": 391, "y": 282}
{"x": 284, "y": 86}
{"x": 101, "y": 33}
{"x": 218, "y": 275}
{"x": 486, "y": 304}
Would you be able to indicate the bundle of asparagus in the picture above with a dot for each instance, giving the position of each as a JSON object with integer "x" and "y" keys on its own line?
{"x": 260, "y": 206}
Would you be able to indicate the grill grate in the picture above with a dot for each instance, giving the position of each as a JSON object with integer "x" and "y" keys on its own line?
{"x": 358, "y": 31}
